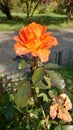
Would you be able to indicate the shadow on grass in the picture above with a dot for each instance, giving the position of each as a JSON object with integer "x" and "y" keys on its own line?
{"x": 56, "y": 20}
{"x": 50, "y": 19}
{"x": 44, "y": 19}
{"x": 15, "y": 20}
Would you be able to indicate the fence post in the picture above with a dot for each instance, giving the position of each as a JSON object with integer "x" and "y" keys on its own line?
{"x": 60, "y": 58}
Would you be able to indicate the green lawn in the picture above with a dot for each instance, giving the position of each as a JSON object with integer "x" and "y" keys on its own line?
{"x": 53, "y": 21}
{"x": 15, "y": 24}
{"x": 67, "y": 73}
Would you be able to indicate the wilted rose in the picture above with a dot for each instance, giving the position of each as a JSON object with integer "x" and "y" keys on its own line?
{"x": 60, "y": 107}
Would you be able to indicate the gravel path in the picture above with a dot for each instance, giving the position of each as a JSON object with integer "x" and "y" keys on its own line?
{"x": 64, "y": 37}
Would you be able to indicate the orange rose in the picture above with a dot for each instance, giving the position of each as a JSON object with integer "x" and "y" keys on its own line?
{"x": 33, "y": 39}
{"x": 60, "y": 108}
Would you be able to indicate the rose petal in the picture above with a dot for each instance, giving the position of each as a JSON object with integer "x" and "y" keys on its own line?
{"x": 36, "y": 28}
{"x": 43, "y": 54}
{"x": 53, "y": 110}
{"x": 67, "y": 104}
{"x": 64, "y": 115}
{"x": 20, "y": 50}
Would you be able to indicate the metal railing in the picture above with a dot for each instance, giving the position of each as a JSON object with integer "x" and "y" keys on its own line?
{"x": 63, "y": 57}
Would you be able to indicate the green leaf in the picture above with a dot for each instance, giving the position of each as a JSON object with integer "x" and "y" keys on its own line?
{"x": 67, "y": 127}
{"x": 38, "y": 75}
{"x": 51, "y": 66}
{"x": 36, "y": 112}
{"x": 45, "y": 98}
{"x": 58, "y": 128}
{"x": 9, "y": 112}
{"x": 41, "y": 85}
{"x": 48, "y": 81}
{"x": 52, "y": 93}
{"x": 22, "y": 64}
{"x": 42, "y": 122}
{"x": 23, "y": 95}
{"x": 56, "y": 79}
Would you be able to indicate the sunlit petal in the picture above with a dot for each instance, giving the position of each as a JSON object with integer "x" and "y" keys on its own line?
{"x": 53, "y": 110}
{"x": 43, "y": 54}
{"x": 20, "y": 50}
{"x": 67, "y": 104}
{"x": 64, "y": 115}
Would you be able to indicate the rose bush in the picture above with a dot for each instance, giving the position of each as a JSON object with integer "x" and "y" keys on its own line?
{"x": 42, "y": 77}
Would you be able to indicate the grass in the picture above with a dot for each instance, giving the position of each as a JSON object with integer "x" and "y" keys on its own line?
{"x": 53, "y": 21}
{"x": 15, "y": 24}
{"x": 67, "y": 71}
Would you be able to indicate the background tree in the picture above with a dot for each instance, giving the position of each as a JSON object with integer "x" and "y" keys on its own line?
{"x": 65, "y": 6}
{"x": 5, "y": 6}
{"x": 69, "y": 9}
{"x": 32, "y": 5}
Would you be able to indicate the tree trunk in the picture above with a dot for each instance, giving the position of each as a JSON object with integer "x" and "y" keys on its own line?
{"x": 28, "y": 11}
{"x": 5, "y": 9}
{"x": 35, "y": 7}
{"x": 8, "y": 14}
{"x": 68, "y": 9}
{"x": 69, "y": 5}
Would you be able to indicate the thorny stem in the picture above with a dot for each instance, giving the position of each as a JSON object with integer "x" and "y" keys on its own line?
{"x": 35, "y": 64}
{"x": 46, "y": 119}
{"x": 46, "y": 123}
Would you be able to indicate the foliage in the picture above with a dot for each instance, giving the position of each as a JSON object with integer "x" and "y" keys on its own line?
{"x": 39, "y": 98}
{"x": 40, "y": 6}
{"x": 32, "y": 5}
{"x": 5, "y": 6}
{"x": 65, "y": 6}
{"x": 66, "y": 71}
{"x": 35, "y": 114}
